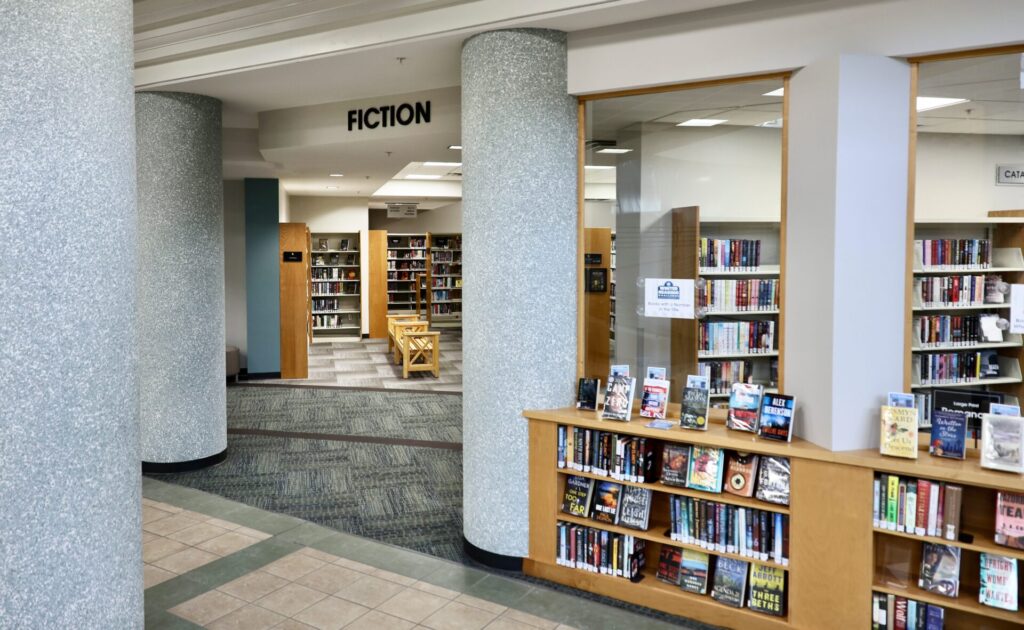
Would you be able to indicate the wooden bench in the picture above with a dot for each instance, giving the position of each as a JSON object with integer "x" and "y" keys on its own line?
{"x": 417, "y": 349}
{"x": 392, "y": 320}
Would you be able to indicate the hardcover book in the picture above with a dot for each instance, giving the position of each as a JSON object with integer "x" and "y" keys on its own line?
{"x": 578, "y": 492}
{"x": 705, "y": 468}
{"x": 740, "y": 469}
{"x": 606, "y": 501}
{"x": 1002, "y": 442}
{"x": 674, "y": 464}
{"x": 634, "y": 507}
{"x": 998, "y": 586}
{"x": 1009, "y": 519}
{"x": 949, "y": 434}
{"x": 693, "y": 412}
{"x": 776, "y": 421}
{"x": 940, "y": 569}
{"x": 693, "y": 571}
{"x": 899, "y": 432}
{"x": 767, "y": 590}
{"x": 773, "y": 480}
{"x": 618, "y": 398}
{"x": 654, "y": 402}
{"x": 744, "y": 407}
{"x": 730, "y": 581}
{"x": 668, "y": 564}
{"x": 586, "y": 393}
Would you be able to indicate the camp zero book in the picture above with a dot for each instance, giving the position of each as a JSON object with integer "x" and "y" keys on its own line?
{"x": 618, "y": 398}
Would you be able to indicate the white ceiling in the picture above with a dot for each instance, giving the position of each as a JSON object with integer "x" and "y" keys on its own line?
{"x": 993, "y": 85}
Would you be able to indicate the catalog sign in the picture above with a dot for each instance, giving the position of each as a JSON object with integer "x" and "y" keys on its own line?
{"x": 1010, "y": 174}
{"x": 667, "y": 297}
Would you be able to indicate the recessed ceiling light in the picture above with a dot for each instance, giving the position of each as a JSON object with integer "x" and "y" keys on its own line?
{"x": 778, "y": 92}
{"x": 417, "y": 176}
{"x": 337, "y": 175}
{"x": 925, "y": 103}
{"x": 332, "y": 188}
{"x": 442, "y": 164}
{"x": 455, "y": 147}
{"x": 615, "y": 151}
{"x": 702, "y": 122}
{"x": 594, "y": 167}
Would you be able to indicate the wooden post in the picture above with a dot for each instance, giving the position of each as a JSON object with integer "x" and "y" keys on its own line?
{"x": 293, "y": 257}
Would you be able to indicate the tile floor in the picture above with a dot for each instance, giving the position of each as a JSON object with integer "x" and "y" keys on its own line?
{"x": 214, "y": 563}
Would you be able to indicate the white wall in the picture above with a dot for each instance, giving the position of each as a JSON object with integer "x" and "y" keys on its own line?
{"x": 956, "y": 175}
{"x": 599, "y": 214}
{"x": 283, "y": 209}
{"x": 446, "y": 219}
{"x": 234, "y": 267}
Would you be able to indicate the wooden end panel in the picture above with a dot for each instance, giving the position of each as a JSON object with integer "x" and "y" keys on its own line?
{"x": 294, "y": 301}
{"x": 376, "y": 283}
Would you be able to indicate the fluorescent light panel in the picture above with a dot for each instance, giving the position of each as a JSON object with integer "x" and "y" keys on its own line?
{"x": 455, "y": 147}
{"x": 442, "y": 164}
{"x": 702, "y": 122}
{"x": 615, "y": 151}
{"x": 594, "y": 167}
{"x": 337, "y": 175}
{"x": 779, "y": 92}
{"x": 417, "y": 176}
{"x": 926, "y": 103}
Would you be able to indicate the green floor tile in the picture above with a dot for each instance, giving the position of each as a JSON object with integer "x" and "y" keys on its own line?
{"x": 172, "y": 592}
{"x": 306, "y": 534}
{"x": 499, "y": 590}
{"x": 238, "y": 564}
{"x": 455, "y": 577}
{"x": 163, "y": 620}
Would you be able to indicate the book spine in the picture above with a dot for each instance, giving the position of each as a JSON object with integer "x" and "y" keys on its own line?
{"x": 923, "y": 499}
{"x": 951, "y": 514}
{"x": 892, "y": 498}
{"x": 933, "y": 508}
{"x": 901, "y": 507}
{"x": 911, "y": 507}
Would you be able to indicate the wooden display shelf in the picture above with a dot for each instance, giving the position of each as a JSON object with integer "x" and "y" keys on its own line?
{"x": 720, "y": 497}
{"x": 967, "y": 602}
{"x": 963, "y": 471}
{"x": 983, "y": 543}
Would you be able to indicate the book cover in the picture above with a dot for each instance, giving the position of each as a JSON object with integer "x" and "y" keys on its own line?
{"x": 1002, "y": 442}
{"x": 998, "y": 587}
{"x": 940, "y": 569}
{"x": 654, "y": 402}
{"x": 634, "y": 507}
{"x": 899, "y": 432}
{"x": 1009, "y": 531}
{"x": 693, "y": 571}
{"x": 776, "y": 422}
{"x": 744, "y": 407}
{"x": 730, "y": 581}
{"x": 935, "y": 618}
{"x": 618, "y": 398}
{"x": 773, "y": 480}
{"x": 705, "y": 468}
{"x": 949, "y": 435}
{"x": 578, "y": 492}
{"x": 606, "y": 501}
{"x": 740, "y": 469}
{"x": 693, "y": 412}
{"x": 586, "y": 393}
{"x": 675, "y": 464}
{"x": 767, "y": 590}
{"x": 668, "y": 564}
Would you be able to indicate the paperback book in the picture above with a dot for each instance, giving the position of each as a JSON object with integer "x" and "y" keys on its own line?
{"x": 740, "y": 469}
{"x": 1002, "y": 442}
{"x": 949, "y": 434}
{"x": 606, "y": 502}
{"x": 706, "y": 468}
{"x": 776, "y": 421}
{"x": 693, "y": 412}
{"x": 674, "y": 464}
{"x": 668, "y": 564}
{"x": 618, "y": 398}
{"x": 767, "y": 590}
{"x": 899, "y": 432}
{"x": 586, "y": 393}
{"x": 1009, "y": 519}
{"x": 744, "y": 407}
{"x": 998, "y": 587}
{"x": 634, "y": 507}
{"x": 654, "y": 402}
{"x": 693, "y": 571}
{"x": 940, "y": 569}
{"x": 578, "y": 492}
{"x": 773, "y": 479}
{"x": 730, "y": 581}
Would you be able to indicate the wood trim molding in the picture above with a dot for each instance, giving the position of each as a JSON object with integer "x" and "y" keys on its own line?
{"x": 967, "y": 54}
{"x": 674, "y": 87}
{"x": 783, "y": 210}
{"x": 581, "y": 328}
{"x": 908, "y": 265}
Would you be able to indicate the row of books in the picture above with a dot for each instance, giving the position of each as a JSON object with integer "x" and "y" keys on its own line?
{"x": 446, "y": 282}
{"x": 446, "y": 242}
{"x": 755, "y": 294}
{"x": 715, "y": 470}
{"x": 445, "y": 257}
{"x": 600, "y": 551}
{"x": 321, "y": 289}
{"x": 444, "y": 295}
{"x": 407, "y": 241}
{"x": 444, "y": 269}
{"x": 407, "y": 254}
{"x": 607, "y": 502}
{"x": 729, "y": 254}
{"x": 394, "y": 265}
{"x": 445, "y": 309}
{"x": 943, "y": 368}
{"x": 959, "y": 290}
{"x": 751, "y": 337}
{"x": 334, "y": 321}
{"x": 622, "y": 457}
{"x": 327, "y": 304}
{"x": 954, "y": 253}
{"x": 722, "y": 375}
{"x": 917, "y": 506}
{"x": 724, "y": 528}
{"x": 940, "y": 574}
{"x": 401, "y": 278}
{"x": 735, "y": 583}
{"x": 344, "y": 244}
{"x": 334, "y": 259}
{"x": 893, "y": 612}
{"x": 333, "y": 273}
{"x": 957, "y": 330}
{"x": 401, "y": 298}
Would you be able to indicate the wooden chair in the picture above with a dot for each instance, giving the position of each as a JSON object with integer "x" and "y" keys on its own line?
{"x": 421, "y": 352}
{"x": 392, "y": 320}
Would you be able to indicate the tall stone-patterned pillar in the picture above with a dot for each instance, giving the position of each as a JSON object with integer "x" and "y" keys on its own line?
{"x": 69, "y": 472}
{"x": 519, "y": 229}
{"x": 181, "y": 281}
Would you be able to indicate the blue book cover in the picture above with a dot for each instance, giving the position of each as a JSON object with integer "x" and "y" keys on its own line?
{"x": 949, "y": 434}
{"x": 935, "y": 618}
{"x": 776, "y": 417}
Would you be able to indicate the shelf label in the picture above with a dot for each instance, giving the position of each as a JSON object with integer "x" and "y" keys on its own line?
{"x": 1010, "y": 174}
{"x": 1017, "y": 308}
{"x": 292, "y": 257}
{"x": 668, "y": 297}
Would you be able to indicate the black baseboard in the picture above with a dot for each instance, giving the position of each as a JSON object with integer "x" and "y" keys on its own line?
{"x": 245, "y": 375}
{"x": 490, "y": 559}
{"x": 160, "y": 468}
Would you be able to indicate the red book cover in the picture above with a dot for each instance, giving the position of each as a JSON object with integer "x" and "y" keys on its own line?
{"x": 739, "y": 473}
{"x": 924, "y": 489}
{"x": 901, "y": 613}
{"x": 939, "y": 524}
{"x": 1010, "y": 520}
{"x": 757, "y": 532}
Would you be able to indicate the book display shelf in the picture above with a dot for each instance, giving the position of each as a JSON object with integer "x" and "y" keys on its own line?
{"x": 407, "y": 256}
{"x": 957, "y": 271}
{"x": 445, "y": 278}
{"x": 335, "y": 284}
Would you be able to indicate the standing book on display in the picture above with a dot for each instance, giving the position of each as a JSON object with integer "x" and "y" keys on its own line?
{"x": 578, "y": 491}
{"x": 773, "y": 479}
{"x": 1009, "y": 519}
{"x": 606, "y": 502}
{"x": 618, "y": 398}
{"x": 998, "y": 587}
{"x": 730, "y": 581}
{"x": 744, "y": 407}
{"x": 693, "y": 571}
{"x": 767, "y": 590}
{"x": 654, "y": 402}
{"x": 675, "y": 464}
{"x": 898, "y": 432}
{"x": 949, "y": 435}
{"x": 1002, "y": 442}
{"x": 693, "y": 412}
{"x": 707, "y": 465}
{"x": 776, "y": 422}
{"x": 586, "y": 394}
{"x": 940, "y": 569}
{"x": 635, "y": 507}
{"x": 740, "y": 470}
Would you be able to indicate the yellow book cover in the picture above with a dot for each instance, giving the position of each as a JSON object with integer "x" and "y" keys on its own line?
{"x": 767, "y": 589}
{"x": 899, "y": 432}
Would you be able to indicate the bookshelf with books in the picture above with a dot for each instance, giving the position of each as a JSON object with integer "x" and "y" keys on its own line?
{"x": 336, "y": 282}
{"x": 445, "y": 278}
{"x": 407, "y": 256}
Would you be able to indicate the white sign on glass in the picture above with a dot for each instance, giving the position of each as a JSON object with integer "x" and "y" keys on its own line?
{"x": 668, "y": 297}
{"x": 1010, "y": 174}
{"x": 1017, "y": 308}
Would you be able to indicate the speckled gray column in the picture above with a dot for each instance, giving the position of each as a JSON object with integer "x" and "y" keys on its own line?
{"x": 519, "y": 228}
{"x": 70, "y": 526}
{"x": 181, "y": 277}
